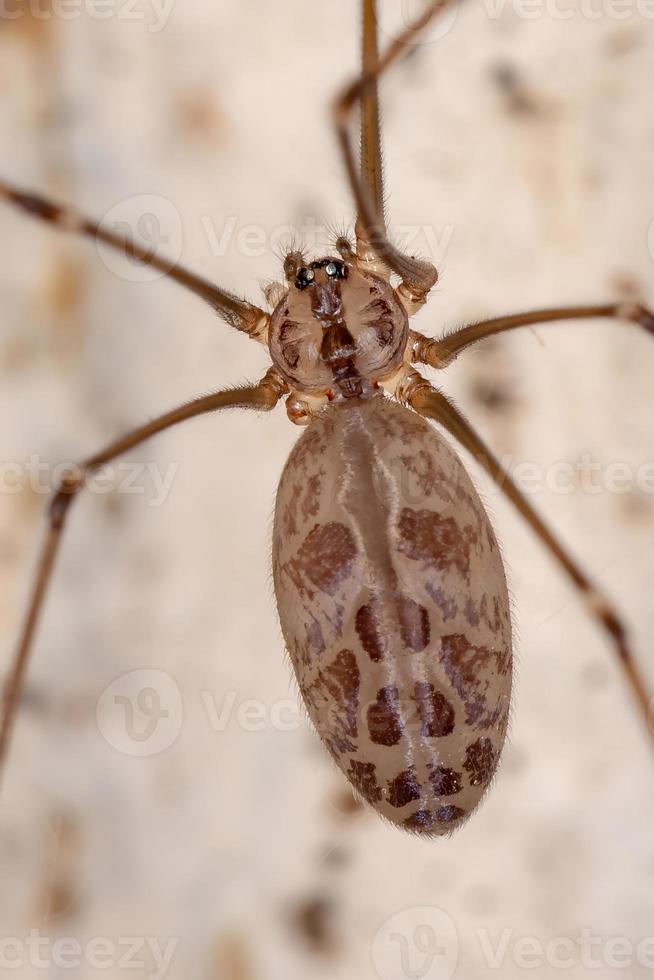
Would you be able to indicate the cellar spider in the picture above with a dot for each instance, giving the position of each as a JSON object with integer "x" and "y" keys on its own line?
{"x": 396, "y": 617}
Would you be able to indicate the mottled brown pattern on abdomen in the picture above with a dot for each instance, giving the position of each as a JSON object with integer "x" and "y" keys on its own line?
{"x": 394, "y": 608}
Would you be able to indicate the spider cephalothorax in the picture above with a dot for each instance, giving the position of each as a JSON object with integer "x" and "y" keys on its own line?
{"x": 338, "y": 329}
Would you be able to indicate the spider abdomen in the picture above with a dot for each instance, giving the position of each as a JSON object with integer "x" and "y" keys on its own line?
{"x": 394, "y": 608}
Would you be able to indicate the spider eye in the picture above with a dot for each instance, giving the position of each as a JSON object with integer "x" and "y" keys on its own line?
{"x": 336, "y": 269}
{"x": 304, "y": 278}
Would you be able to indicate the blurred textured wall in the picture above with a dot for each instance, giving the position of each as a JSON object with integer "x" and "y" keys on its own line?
{"x": 199, "y": 814}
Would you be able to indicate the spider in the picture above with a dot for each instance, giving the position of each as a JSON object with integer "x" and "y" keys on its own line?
{"x": 389, "y": 581}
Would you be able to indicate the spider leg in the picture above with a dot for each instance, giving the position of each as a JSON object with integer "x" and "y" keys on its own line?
{"x": 427, "y": 401}
{"x": 441, "y": 352}
{"x": 371, "y": 145}
{"x": 261, "y": 397}
{"x": 238, "y": 313}
{"x": 417, "y": 276}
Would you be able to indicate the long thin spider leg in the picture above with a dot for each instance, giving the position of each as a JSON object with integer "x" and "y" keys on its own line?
{"x": 441, "y": 352}
{"x": 371, "y": 149}
{"x": 261, "y": 397}
{"x": 431, "y": 403}
{"x": 417, "y": 276}
{"x": 244, "y": 316}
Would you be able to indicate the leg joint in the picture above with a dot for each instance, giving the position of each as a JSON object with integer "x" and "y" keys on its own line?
{"x": 638, "y": 314}
{"x": 610, "y": 620}
{"x": 63, "y": 497}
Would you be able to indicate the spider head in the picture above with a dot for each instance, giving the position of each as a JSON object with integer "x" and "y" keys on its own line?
{"x": 337, "y": 329}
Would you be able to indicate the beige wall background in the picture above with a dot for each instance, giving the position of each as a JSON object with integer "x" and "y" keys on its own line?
{"x": 161, "y": 785}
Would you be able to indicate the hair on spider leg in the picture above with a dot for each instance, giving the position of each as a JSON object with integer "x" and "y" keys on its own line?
{"x": 340, "y": 228}
{"x": 341, "y": 235}
{"x": 288, "y": 243}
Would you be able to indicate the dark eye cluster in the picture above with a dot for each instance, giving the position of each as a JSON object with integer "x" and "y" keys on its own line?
{"x": 334, "y": 268}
